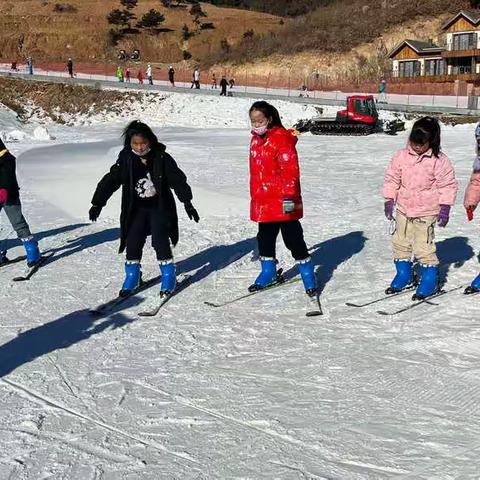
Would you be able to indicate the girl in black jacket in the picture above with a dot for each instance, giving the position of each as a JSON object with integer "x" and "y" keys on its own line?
{"x": 147, "y": 175}
{"x": 10, "y": 202}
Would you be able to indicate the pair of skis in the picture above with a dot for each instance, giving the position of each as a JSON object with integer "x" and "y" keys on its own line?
{"x": 314, "y": 307}
{"x": 414, "y": 304}
{"x": 110, "y": 306}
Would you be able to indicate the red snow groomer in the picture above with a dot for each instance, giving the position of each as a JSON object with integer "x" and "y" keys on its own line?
{"x": 359, "y": 118}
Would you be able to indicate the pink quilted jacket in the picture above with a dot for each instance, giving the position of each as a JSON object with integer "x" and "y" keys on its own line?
{"x": 419, "y": 184}
{"x": 472, "y": 194}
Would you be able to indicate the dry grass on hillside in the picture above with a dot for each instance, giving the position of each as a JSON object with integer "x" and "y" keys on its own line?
{"x": 363, "y": 62}
{"x": 33, "y": 28}
{"x": 53, "y": 99}
{"x": 342, "y": 26}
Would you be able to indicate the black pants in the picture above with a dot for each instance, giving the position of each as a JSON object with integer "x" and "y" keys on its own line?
{"x": 145, "y": 222}
{"x": 223, "y": 92}
{"x": 292, "y": 234}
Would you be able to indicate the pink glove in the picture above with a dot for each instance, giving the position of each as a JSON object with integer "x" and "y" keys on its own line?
{"x": 3, "y": 196}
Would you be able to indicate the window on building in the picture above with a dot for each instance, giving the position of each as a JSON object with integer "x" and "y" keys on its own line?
{"x": 410, "y": 68}
{"x": 464, "y": 41}
{"x": 461, "y": 66}
{"x": 434, "y": 67}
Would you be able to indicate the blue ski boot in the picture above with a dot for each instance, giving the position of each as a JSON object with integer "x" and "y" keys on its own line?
{"x": 428, "y": 282}
{"x": 3, "y": 257}
{"x": 31, "y": 248}
{"x": 169, "y": 281}
{"x": 474, "y": 287}
{"x": 307, "y": 272}
{"x": 133, "y": 278}
{"x": 404, "y": 277}
{"x": 268, "y": 276}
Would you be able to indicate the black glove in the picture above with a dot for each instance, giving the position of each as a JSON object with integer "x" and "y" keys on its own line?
{"x": 94, "y": 213}
{"x": 191, "y": 212}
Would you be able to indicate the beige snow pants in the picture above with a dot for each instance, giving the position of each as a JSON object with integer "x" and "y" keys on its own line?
{"x": 415, "y": 237}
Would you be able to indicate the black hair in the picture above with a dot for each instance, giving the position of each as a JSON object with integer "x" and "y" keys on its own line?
{"x": 269, "y": 111}
{"x": 427, "y": 130}
{"x": 139, "y": 128}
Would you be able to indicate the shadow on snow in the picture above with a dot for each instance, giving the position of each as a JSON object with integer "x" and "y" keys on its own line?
{"x": 61, "y": 333}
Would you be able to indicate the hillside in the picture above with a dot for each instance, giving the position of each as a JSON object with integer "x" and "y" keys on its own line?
{"x": 364, "y": 62}
{"x": 277, "y": 7}
{"x": 345, "y": 42}
{"x": 33, "y": 28}
{"x": 342, "y": 40}
{"x": 342, "y": 25}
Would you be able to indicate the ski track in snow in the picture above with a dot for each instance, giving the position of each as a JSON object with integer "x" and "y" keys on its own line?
{"x": 254, "y": 390}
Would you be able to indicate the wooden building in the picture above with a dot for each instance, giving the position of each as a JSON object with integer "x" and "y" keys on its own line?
{"x": 457, "y": 59}
{"x": 413, "y": 58}
{"x": 462, "y": 48}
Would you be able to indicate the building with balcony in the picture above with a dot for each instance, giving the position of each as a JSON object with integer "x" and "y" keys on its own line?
{"x": 413, "y": 58}
{"x": 458, "y": 59}
{"x": 462, "y": 50}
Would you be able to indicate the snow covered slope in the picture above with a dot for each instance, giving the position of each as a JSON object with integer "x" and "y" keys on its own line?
{"x": 195, "y": 111}
{"x": 255, "y": 390}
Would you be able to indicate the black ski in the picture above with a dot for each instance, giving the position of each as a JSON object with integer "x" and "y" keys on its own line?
{"x": 417, "y": 303}
{"x": 161, "y": 301}
{"x": 251, "y": 294}
{"x": 31, "y": 271}
{"x": 471, "y": 294}
{"x": 106, "y": 307}
{"x": 12, "y": 261}
{"x": 380, "y": 299}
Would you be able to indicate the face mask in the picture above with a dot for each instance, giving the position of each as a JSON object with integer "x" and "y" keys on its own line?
{"x": 261, "y": 130}
{"x": 142, "y": 154}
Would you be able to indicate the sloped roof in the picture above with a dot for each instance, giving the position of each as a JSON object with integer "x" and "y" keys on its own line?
{"x": 417, "y": 46}
{"x": 471, "y": 16}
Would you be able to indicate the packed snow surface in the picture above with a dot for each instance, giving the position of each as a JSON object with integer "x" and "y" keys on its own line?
{"x": 254, "y": 390}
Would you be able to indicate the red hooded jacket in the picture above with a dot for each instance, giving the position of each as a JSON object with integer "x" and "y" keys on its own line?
{"x": 274, "y": 176}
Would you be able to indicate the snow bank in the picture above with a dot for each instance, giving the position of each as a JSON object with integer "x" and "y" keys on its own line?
{"x": 199, "y": 111}
{"x": 41, "y": 133}
{"x": 183, "y": 110}
{"x": 12, "y": 130}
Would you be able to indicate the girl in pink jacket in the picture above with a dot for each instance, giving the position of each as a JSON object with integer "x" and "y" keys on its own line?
{"x": 472, "y": 199}
{"x": 420, "y": 182}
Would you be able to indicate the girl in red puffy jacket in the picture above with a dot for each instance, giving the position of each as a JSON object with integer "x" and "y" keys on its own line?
{"x": 276, "y": 200}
